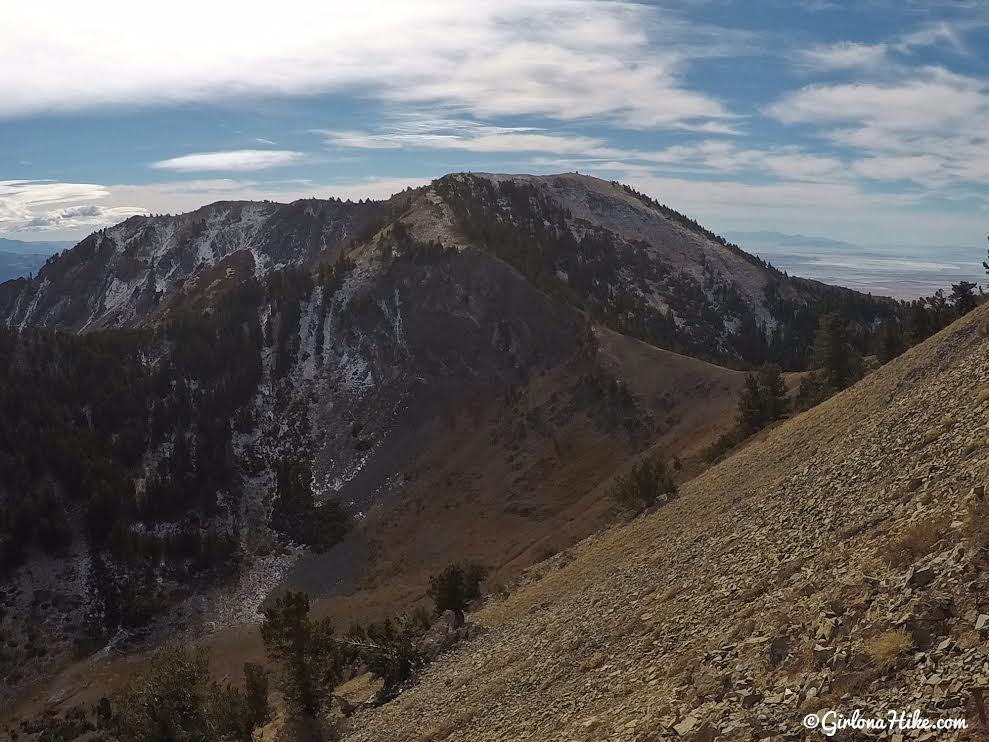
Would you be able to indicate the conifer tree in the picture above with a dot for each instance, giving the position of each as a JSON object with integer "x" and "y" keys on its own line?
{"x": 918, "y": 323}
{"x": 772, "y": 392}
{"x": 751, "y": 413}
{"x": 833, "y": 354}
{"x": 963, "y": 297}
{"x": 305, "y": 650}
{"x": 890, "y": 341}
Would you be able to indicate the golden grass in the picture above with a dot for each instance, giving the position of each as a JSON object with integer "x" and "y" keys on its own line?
{"x": 886, "y": 648}
{"x": 918, "y": 540}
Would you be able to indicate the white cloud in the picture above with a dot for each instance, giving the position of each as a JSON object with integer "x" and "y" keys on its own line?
{"x": 931, "y": 35}
{"x": 935, "y": 97}
{"x": 240, "y": 160}
{"x": 417, "y": 132}
{"x": 719, "y": 156}
{"x": 801, "y": 166}
{"x": 844, "y": 55}
{"x": 41, "y": 206}
{"x": 564, "y": 59}
{"x": 897, "y": 168}
{"x": 709, "y": 155}
{"x": 927, "y": 127}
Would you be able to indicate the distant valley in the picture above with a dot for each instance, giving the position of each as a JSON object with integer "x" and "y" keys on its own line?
{"x": 901, "y": 271}
{"x": 19, "y": 258}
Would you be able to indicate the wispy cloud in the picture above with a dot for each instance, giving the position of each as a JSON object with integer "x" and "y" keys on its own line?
{"x": 564, "y": 59}
{"x": 843, "y": 55}
{"x": 239, "y": 160}
{"x": 419, "y": 132}
{"x": 708, "y": 155}
{"x": 926, "y": 127}
{"x": 933, "y": 34}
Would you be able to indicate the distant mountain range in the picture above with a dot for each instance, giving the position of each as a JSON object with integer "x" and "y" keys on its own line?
{"x": 782, "y": 239}
{"x": 19, "y": 258}
{"x": 41, "y": 247}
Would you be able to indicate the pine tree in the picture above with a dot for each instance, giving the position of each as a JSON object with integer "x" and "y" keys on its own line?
{"x": 455, "y": 587}
{"x": 833, "y": 354}
{"x": 642, "y": 487}
{"x": 963, "y": 297}
{"x": 918, "y": 322}
{"x": 304, "y": 647}
{"x": 940, "y": 311}
{"x": 772, "y": 392}
{"x": 890, "y": 341}
{"x": 751, "y": 412}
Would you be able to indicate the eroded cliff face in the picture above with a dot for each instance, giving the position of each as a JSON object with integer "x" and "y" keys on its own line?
{"x": 122, "y": 276}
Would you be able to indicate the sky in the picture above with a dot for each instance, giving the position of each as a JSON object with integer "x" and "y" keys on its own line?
{"x": 864, "y": 122}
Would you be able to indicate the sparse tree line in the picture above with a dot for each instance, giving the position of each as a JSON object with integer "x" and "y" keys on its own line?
{"x": 176, "y": 699}
{"x": 591, "y": 269}
{"x": 836, "y": 363}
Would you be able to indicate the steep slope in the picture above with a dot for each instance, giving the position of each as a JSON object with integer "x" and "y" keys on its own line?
{"x": 839, "y": 563}
{"x": 126, "y": 275}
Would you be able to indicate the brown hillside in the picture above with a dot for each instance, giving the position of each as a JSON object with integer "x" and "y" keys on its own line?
{"x": 471, "y": 495}
{"x": 838, "y": 563}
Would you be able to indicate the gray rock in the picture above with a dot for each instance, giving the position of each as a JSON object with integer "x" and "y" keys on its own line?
{"x": 448, "y": 630}
{"x": 920, "y": 577}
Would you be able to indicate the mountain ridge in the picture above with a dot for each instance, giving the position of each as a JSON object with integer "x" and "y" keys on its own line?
{"x": 735, "y": 308}
{"x": 378, "y": 372}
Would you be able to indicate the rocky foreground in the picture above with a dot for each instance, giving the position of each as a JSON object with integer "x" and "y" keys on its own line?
{"x": 839, "y": 563}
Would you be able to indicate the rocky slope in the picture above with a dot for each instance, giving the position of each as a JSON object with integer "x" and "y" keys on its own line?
{"x": 837, "y": 563}
{"x": 125, "y": 275}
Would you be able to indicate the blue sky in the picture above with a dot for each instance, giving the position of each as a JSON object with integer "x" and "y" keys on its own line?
{"x": 861, "y": 121}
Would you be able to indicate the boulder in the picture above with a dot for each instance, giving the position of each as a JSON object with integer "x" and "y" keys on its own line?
{"x": 708, "y": 683}
{"x": 779, "y": 649}
{"x": 920, "y": 577}
{"x": 448, "y": 630}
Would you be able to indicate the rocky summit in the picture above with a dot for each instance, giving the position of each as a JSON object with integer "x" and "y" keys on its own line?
{"x": 837, "y": 563}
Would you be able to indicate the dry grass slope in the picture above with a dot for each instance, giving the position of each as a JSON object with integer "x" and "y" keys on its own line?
{"x": 766, "y": 590}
